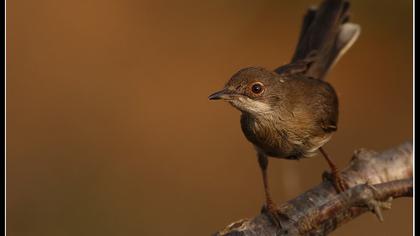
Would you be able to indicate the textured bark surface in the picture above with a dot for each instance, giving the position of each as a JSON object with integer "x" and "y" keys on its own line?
{"x": 374, "y": 179}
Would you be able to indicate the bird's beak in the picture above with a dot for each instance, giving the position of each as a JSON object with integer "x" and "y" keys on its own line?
{"x": 222, "y": 94}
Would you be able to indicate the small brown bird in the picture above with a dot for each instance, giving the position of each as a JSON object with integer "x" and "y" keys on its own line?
{"x": 291, "y": 112}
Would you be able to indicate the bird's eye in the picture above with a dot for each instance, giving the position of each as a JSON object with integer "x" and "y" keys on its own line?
{"x": 257, "y": 88}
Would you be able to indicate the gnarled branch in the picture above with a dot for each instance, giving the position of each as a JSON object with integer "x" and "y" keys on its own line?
{"x": 374, "y": 179}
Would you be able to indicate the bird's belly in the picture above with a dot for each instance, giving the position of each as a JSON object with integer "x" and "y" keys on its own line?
{"x": 281, "y": 148}
{"x": 272, "y": 142}
{"x": 292, "y": 148}
{"x": 283, "y": 143}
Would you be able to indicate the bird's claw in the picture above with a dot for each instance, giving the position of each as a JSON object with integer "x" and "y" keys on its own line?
{"x": 277, "y": 217}
{"x": 339, "y": 184}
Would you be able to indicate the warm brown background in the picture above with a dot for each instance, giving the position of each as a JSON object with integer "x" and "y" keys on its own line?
{"x": 109, "y": 130}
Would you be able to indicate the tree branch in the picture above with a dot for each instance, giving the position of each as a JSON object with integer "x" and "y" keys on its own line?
{"x": 374, "y": 179}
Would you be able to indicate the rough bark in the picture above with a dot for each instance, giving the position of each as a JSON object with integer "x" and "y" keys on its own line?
{"x": 374, "y": 179}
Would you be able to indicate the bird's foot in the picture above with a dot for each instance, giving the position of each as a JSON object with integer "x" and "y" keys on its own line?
{"x": 335, "y": 177}
{"x": 275, "y": 214}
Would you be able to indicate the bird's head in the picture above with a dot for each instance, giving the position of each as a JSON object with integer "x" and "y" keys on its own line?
{"x": 254, "y": 90}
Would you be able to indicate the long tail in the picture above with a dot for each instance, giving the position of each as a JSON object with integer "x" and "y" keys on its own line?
{"x": 325, "y": 36}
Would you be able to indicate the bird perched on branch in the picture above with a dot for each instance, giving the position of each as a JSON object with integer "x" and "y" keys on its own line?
{"x": 292, "y": 112}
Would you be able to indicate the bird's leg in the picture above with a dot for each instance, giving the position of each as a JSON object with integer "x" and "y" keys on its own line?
{"x": 339, "y": 183}
{"x": 271, "y": 207}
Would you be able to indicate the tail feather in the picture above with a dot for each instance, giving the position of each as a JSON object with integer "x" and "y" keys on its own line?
{"x": 347, "y": 36}
{"x": 326, "y": 34}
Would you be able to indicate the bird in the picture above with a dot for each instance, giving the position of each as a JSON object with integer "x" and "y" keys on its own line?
{"x": 292, "y": 111}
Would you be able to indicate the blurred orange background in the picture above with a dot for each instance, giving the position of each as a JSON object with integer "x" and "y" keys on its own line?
{"x": 109, "y": 130}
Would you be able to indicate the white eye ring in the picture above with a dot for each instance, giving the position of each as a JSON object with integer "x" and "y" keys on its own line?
{"x": 257, "y": 88}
